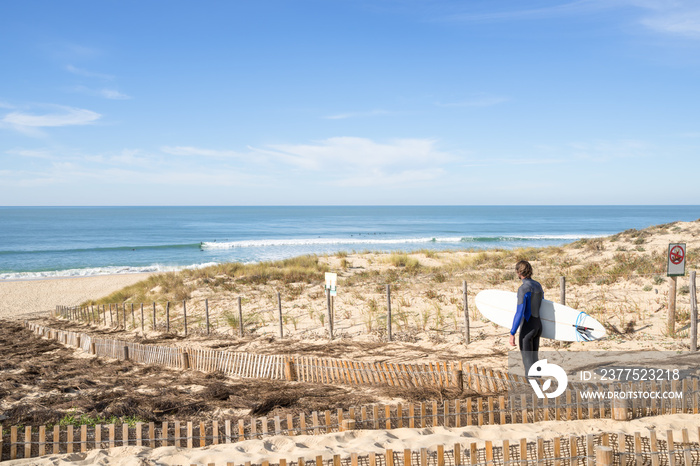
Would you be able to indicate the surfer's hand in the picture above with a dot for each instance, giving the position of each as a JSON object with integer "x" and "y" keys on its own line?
{"x": 511, "y": 340}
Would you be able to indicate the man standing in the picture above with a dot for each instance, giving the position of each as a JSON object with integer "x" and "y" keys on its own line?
{"x": 527, "y": 315}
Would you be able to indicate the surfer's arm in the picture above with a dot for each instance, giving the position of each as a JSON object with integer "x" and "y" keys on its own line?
{"x": 519, "y": 311}
{"x": 518, "y": 318}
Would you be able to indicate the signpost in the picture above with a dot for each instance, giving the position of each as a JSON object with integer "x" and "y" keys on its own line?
{"x": 675, "y": 267}
{"x": 330, "y": 287}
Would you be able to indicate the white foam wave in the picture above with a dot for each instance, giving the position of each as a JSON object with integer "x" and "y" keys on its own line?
{"x": 95, "y": 271}
{"x": 320, "y": 241}
{"x": 372, "y": 241}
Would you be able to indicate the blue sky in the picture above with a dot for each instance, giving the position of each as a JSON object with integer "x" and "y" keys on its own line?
{"x": 349, "y": 102}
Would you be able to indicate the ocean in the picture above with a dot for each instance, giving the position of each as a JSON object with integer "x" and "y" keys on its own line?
{"x": 44, "y": 242}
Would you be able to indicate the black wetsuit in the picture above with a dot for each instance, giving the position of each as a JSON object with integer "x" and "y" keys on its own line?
{"x": 530, "y": 296}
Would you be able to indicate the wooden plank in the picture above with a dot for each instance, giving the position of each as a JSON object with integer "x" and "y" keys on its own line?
{"x": 56, "y": 439}
{"x": 480, "y": 410}
{"x": 523, "y": 452}
{"x": 190, "y": 434}
{"x": 435, "y": 414}
{"x": 27, "y": 441}
{"x": 573, "y": 453}
{"x": 489, "y": 452}
{"x": 639, "y": 459}
{"x": 125, "y": 432}
{"x": 622, "y": 447}
{"x": 671, "y": 448}
{"x": 178, "y": 433}
{"x": 139, "y": 440}
{"x": 501, "y": 409}
{"x": 687, "y": 456}
{"x": 42, "y": 440}
{"x": 202, "y": 434}
{"x": 164, "y": 434}
{"x": 70, "y": 439}
{"x": 506, "y": 452}
{"x": 557, "y": 451}
{"x": 241, "y": 430}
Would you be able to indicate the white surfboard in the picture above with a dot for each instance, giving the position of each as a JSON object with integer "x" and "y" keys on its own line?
{"x": 559, "y": 322}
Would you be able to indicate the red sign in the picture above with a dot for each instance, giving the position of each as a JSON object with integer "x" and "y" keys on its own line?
{"x": 676, "y": 260}
{"x": 676, "y": 254}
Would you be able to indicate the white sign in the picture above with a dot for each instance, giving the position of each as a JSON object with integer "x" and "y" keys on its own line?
{"x": 331, "y": 279}
{"x": 676, "y": 260}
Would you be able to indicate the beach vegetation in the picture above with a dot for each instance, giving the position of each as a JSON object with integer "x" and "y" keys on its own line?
{"x": 403, "y": 260}
{"x": 73, "y": 418}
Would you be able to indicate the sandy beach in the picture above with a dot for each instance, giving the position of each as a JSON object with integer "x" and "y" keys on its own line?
{"x": 20, "y": 299}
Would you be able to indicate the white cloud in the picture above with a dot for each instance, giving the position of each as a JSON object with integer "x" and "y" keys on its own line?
{"x": 199, "y": 152}
{"x": 343, "y": 116}
{"x": 605, "y": 150}
{"x": 36, "y": 154}
{"x": 477, "y": 101}
{"x": 381, "y": 178}
{"x": 111, "y": 94}
{"x": 681, "y": 22}
{"x": 89, "y": 74}
{"x": 68, "y": 116}
{"x": 676, "y": 17}
{"x": 343, "y": 153}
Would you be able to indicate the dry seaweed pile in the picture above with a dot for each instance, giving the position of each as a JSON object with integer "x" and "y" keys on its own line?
{"x": 43, "y": 382}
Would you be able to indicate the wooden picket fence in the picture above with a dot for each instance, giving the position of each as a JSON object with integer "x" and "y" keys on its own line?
{"x": 457, "y": 375}
{"x": 477, "y": 411}
{"x": 588, "y": 450}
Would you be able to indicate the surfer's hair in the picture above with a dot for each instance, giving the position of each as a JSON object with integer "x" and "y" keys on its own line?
{"x": 524, "y": 269}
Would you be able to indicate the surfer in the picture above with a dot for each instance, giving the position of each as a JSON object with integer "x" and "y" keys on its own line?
{"x": 527, "y": 315}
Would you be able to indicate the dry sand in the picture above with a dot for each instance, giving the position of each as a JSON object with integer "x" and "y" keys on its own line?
{"x": 363, "y": 442}
{"x": 25, "y": 298}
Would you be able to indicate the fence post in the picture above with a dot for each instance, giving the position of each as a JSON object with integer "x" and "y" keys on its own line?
{"x": 603, "y": 455}
{"x": 133, "y": 319}
{"x": 206, "y": 310}
{"x": 466, "y": 312}
{"x": 328, "y": 316}
{"x": 154, "y": 315}
{"x": 388, "y": 312}
{"x": 185, "y": 359}
{"x": 167, "y": 317}
{"x": 671, "y": 306}
{"x": 279, "y": 308}
{"x": 240, "y": 315}
{"x": 142, "y": 331}
{"x": 562, "y": 290}
{"x": 693, "y": 314}
{"x": 184, "y": 314}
